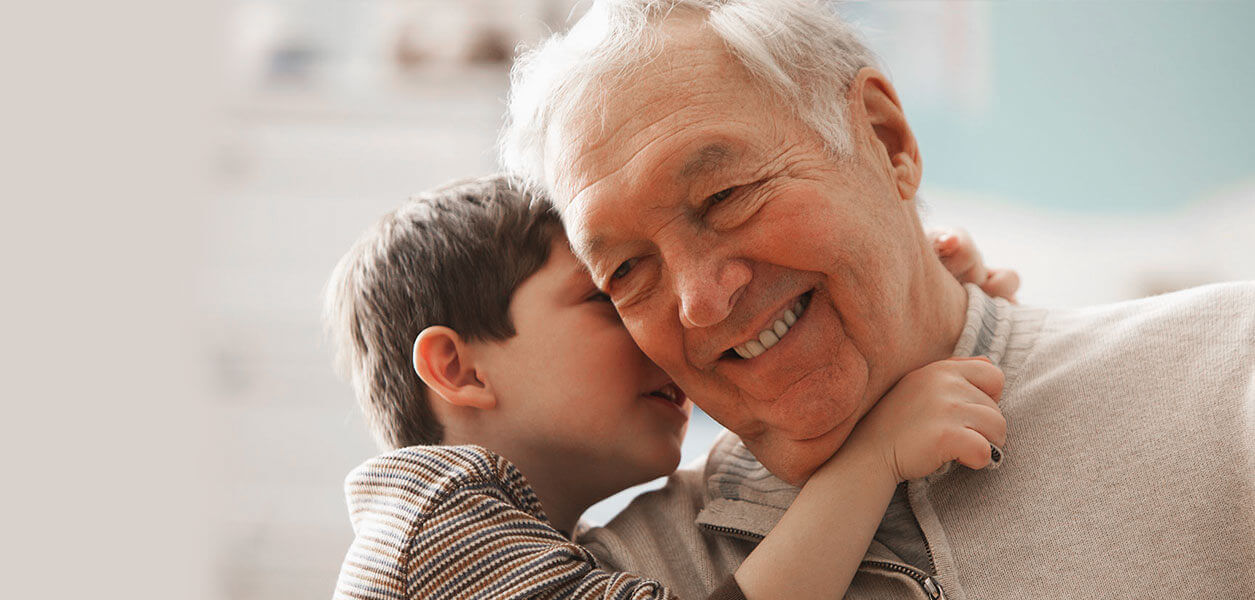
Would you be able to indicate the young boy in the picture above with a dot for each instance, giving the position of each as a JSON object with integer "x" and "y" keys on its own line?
{"x": 513, "y": 399}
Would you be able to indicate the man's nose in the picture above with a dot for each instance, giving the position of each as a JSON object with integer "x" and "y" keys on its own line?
{"x": 708, "y": 287}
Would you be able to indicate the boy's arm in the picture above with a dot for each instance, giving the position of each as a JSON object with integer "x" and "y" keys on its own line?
{"x": 944, "y": 411}
{"x": 817, "y": 546}
{"x": 480, "y": 544}
{"x": 456, "y": 522}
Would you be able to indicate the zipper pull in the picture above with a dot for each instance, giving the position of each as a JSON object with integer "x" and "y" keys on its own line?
{"x": 933, "y": 589}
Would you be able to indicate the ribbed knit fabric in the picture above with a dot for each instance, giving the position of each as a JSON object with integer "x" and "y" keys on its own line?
{"x": 728, "y": 591}
{"x": 1129, "y": 468}
{"x": 445, "y": 522}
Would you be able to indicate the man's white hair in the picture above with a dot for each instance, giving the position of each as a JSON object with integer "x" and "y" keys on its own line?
{"x": 797, "y": 49}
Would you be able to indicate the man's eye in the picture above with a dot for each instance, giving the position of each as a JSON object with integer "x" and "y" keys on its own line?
{"x": 623, "y": 269}
{"x": 719, "y": 197}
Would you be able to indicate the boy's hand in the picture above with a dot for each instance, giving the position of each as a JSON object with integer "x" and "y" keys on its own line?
{"x": 958, "y": 253}
{"x": 945, "y": 411}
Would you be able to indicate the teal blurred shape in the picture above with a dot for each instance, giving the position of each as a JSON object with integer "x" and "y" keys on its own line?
{"x": 1110, "y": 107}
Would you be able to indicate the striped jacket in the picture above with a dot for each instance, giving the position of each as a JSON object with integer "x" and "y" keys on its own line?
{"x": 461, "y": 522}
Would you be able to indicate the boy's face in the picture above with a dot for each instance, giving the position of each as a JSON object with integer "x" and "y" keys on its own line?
{"x": 584, "y": 399}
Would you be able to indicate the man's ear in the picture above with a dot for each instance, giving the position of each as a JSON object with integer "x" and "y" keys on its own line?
{"x": 896, "y": 143}
{"x": 443, "y": 361}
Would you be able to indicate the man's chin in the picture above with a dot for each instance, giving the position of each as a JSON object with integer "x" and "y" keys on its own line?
{"x": 793, "y": 461}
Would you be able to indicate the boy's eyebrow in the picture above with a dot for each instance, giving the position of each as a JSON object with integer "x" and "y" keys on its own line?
{"x": 578, "y": 278}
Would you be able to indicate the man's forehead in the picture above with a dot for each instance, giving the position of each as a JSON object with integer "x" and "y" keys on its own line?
{"x": 607, "y": 204}
{"x": 659, "y": 128}
{"x": 585, "y": 240}
{"x": 634, "y": 108}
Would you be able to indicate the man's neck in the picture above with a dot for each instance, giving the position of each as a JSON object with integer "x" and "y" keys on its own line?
{"x": 934, "y": 314}
{"x": 942, "y": 301}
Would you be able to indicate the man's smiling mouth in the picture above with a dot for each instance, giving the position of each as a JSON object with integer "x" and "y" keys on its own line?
{"x": 776, "y": 330}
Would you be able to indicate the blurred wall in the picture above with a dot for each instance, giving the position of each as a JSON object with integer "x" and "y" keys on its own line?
{"x": 1112, "y": 107}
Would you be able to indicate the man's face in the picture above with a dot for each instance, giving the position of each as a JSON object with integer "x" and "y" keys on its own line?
{"x": 765, "y": 276}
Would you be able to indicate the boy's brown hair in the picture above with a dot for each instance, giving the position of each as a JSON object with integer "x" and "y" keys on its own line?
{"x": 452, "y": 256}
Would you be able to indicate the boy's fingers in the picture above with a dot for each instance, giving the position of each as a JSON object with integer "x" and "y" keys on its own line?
{"x": 988, "y": 422}
{"x": 943, "y": 240}
{"x": 1002, "y": 283}
{"x": 974, "y": 450}
{"x": 982, "y": 374}
{"x": 958, "y": 253}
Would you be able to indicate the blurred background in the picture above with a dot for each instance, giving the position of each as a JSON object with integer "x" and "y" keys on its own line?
{"x": 1104, "y": 149}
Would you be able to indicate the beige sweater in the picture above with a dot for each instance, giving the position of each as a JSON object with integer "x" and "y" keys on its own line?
{"x": 1129, "y": 469}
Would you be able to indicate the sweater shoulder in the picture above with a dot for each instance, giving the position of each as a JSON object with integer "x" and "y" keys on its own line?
{"x": 1222, "y": 312}
{"x": 1162, "y": 344}
{"x": 408, "y": 485}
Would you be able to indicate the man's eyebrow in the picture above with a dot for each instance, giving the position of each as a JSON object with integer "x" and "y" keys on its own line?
{"x": 708, "y": 159}
{"x": 585, "y": 252}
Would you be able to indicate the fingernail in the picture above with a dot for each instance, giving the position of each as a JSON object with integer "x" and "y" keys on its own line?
{"x": 995, "y": 457}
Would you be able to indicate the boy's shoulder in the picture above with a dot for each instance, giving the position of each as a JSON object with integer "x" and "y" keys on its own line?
{"x": 410, "y": 484}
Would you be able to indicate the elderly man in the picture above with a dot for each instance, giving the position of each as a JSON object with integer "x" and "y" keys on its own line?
{"x": 740, "y": 179}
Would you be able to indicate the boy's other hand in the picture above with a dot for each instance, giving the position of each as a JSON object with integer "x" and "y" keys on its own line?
{"x": 960, "y": 256}
{"x": 944, "y": 411}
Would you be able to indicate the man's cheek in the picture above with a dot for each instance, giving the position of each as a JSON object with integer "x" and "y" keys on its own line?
{"x": 648, "y": 336}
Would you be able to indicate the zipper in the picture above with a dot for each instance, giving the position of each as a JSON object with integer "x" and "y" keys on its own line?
{"x": 926, "y": 582}
{"x": 934, "y": 590}
{"x": 932, "y": 562}
{"x": 734, "y": 532}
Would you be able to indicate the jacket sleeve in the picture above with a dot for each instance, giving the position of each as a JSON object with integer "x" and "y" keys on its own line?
{"x": 480, "y": 545}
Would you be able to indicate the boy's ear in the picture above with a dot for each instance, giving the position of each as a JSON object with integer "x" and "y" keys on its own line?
{"x": 443, "y": 361}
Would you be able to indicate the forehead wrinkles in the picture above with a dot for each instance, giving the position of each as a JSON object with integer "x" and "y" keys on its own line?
{"x": 689, "y": 65}
{"x": 691, "y": 88}
{"x": 592, "y": 146}
{"x": 639, "y": 175}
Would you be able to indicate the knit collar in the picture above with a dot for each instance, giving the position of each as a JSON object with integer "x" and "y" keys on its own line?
{"x": 999, "y": 330}
{"x": 987, "y": 328}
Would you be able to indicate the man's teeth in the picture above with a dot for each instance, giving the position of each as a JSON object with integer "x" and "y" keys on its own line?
{"x": 772, "y": 335}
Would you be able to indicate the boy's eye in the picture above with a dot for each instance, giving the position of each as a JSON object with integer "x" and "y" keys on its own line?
{"x": 599, "y": 297}
{"x": 623, "y": 269}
